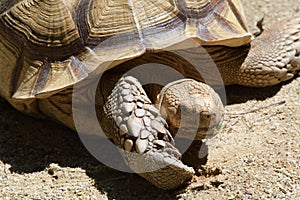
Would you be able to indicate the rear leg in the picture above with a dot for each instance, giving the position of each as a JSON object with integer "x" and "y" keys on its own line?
{"x": 273, "y": 57}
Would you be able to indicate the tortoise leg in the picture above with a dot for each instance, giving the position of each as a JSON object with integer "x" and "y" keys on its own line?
{"x": 142, "y": 136}
{"x": 273, "y": 57}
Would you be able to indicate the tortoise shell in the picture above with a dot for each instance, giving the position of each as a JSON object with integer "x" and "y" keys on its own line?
{"x": 49, "y": 45}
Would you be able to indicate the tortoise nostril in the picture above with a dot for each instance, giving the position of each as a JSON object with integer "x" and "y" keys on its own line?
{"x": 206, "y": 118}
{"x": 206, "y": 114}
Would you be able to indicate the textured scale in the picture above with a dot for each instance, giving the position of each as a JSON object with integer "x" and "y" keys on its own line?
{"x": 148, "y": 145}
{"x": 277, "y": 60}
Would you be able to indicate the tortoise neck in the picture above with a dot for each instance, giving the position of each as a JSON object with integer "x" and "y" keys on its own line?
{"x": 229, "y": 61}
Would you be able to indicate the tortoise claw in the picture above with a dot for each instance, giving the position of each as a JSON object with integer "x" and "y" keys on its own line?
{"x": 161, "y": 167}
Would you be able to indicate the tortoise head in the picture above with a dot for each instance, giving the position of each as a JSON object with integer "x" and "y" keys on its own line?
{"x": 192, "y": 109}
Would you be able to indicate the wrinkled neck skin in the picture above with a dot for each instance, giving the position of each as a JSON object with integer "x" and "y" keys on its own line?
{"x": 228, "y": 61}
{"x": 200, "y": 63}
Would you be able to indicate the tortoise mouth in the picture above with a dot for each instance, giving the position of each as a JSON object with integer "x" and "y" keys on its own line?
{"x": 198, "y": 133}
{"x": 191, "y": 132}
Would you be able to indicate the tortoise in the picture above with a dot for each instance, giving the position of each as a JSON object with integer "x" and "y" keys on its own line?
{"x": 49, "y": 47}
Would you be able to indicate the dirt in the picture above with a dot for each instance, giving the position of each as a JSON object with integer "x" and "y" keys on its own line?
{"x": 255, "y": 156}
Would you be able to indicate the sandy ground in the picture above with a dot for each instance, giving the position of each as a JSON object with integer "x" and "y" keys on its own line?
{"x": 258, "y": 150}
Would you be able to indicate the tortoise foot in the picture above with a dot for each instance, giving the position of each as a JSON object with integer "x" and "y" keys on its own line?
{"x": 142, "y": 135}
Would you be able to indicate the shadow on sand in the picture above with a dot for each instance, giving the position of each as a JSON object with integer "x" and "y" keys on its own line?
{"x": 31, "y": 145}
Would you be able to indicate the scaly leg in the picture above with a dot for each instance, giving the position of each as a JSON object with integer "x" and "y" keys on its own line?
{"x": 142, "y": 136}
{"x": 273, "y": 57}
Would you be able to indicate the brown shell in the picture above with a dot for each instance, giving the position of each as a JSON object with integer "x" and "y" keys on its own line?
{"x": 48, "y": 45}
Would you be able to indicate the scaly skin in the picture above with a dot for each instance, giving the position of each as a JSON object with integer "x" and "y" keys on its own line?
{"x": 273, "y": 57}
